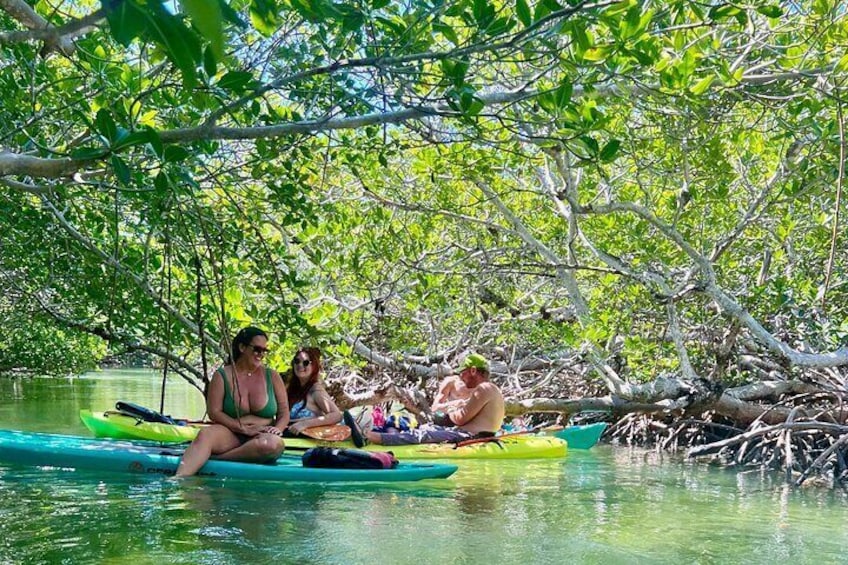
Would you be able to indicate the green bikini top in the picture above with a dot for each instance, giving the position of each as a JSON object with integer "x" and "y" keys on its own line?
{"x": 267, "y": 411}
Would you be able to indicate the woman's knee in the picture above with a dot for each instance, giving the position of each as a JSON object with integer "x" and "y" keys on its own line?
{"x": 269, "y": 445}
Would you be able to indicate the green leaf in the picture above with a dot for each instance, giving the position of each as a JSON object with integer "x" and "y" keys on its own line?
{"x": 207, "y": 18}
{"x": 311, "y": 11}
{"x": 231, "y": 15}
{"x": 629, "y": 25}
{"x": 126, "y": 21}
{"x": 89, "y": 153}
{"x": 770, "y": 11}
{"x": 578, "y": 32}
{"x": 455, "y": 70}
{"x": 542, "y": 10}
{"x": 352, "y": 21}
{"x": 447, "y": 31}
{"x": 483, "y": 13}
{"x": 263, "y": 16}
{"x": 105, "y": 125}
{"x": 162, "y": 182}
{"x": 563, "y": 93}
{"x": 235, "y": 80}
{"x": 470, "y": 104}
{"x": 590, "y": 144}
{"x": 547, "y": 101}
{"x": 610, "y": 150}
{"x": 842, "y": 64}
{"x": 500, "y": 26}
{"x": 596, "y": 54}
{"x": 139, "y": 137}
{"x": 702, "y": 85}
{"x": 210, "y": 64}
{"x": 121, "y": 170}
{"x": 522, "y": 11}
{"x": 722, "y": 12}
{"x": 179, "y": 42}
{"x": 176, "y": 153}
{"x": 156, "y": 142}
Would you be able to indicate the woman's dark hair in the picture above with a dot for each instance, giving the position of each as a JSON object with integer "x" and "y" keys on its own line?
{"x": 244, "y": 337}
{"x": 296, "y": 390}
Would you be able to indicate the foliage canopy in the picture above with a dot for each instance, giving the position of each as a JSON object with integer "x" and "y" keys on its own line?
{"x": 658, "y": 180}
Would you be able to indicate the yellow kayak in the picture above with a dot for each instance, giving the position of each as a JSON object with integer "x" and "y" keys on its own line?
{"x": 507, "y": 447}
{"x": 119, "y": 426}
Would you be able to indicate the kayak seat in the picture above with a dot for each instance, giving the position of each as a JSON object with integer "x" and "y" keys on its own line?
{"x": 144, "y": 414}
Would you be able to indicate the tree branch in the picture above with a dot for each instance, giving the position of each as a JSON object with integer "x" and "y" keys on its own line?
{"x": 53, "y": 37}
{"x": 141, "y": 283}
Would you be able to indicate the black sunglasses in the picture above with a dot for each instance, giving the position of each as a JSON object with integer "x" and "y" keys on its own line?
{"x": 259, "y": 350}
{"x": 302, "y": 362}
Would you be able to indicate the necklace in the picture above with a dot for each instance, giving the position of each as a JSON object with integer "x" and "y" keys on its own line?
{"x": 251, "y": 373}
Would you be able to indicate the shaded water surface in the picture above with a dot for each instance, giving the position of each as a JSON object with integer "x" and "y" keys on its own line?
{"x": 607, "y": 505}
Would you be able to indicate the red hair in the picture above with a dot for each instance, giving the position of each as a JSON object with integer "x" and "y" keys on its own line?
{"x": 296, "y": 390}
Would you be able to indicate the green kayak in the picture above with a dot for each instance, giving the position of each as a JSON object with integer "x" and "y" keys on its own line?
{"x": 119, "y": 426}
{"x": 530, "y": 446}
{"x": 64, "y": 451}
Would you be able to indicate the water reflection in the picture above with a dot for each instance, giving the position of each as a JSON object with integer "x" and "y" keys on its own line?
{"x": 607, "y": 505}
{"x": 53, "y": 404}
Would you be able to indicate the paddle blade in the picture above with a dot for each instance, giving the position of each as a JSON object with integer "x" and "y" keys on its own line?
{"x": 334, "y": 432}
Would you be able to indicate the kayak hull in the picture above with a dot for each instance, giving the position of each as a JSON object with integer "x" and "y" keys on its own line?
{"x": 118, "y": 426}
{"x": 112, "y": 425}
{"x": 65, "y": 451}
{"x": 508, "y": 447}
{"x": 581, "y": 437}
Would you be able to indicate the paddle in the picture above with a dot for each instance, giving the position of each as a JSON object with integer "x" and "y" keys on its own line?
{"x": 497, "y": 438}
{"x": 333, "y": 432}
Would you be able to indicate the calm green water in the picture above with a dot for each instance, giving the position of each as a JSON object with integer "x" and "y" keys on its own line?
{"x": 608, "y": 505}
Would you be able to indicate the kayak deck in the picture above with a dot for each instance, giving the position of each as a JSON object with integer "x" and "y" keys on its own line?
{"x": 121, "y": 456}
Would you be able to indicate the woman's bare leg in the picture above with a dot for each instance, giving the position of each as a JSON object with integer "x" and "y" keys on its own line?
{"x": 211, "y": 440}
{"x": 259, "y": 449}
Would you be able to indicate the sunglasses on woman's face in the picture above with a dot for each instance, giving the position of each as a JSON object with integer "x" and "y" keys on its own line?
{"x": 259, "y": 350}
{"x": 302, "y": 362}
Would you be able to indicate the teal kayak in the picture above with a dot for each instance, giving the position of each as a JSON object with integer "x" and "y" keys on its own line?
{"x": 149, "y": 458}
{"x": 581, "y": 437}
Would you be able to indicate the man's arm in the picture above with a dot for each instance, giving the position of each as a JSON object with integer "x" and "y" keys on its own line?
{"x": 481, "y": 396}
{"x": 447, "y": 386}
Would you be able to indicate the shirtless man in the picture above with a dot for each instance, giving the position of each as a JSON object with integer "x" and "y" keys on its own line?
{"x": 476, "y": 411}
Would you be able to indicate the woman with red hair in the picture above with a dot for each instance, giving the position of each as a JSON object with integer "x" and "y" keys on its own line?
{"x": 310, "y": 404}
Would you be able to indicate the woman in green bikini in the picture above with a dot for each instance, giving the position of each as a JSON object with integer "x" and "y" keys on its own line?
{"x": 248, "y": 406}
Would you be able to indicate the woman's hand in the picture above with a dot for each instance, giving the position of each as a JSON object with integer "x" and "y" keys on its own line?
{"x": 250, "y": 429}
{"x": 297, "y": 428}
{"x": 273, "y": 430}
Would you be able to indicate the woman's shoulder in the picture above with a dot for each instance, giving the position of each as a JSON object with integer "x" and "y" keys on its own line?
{"x": 317, "y": 388}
